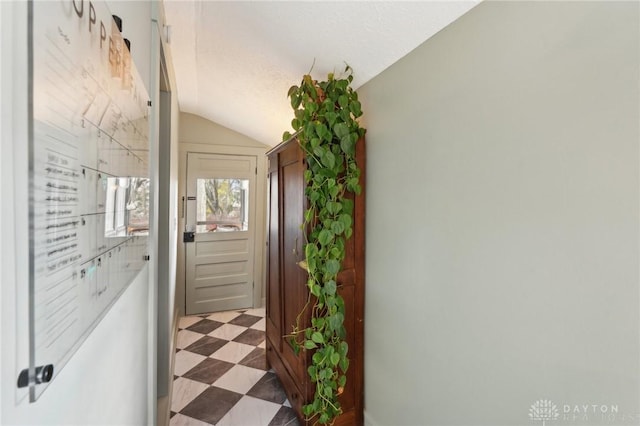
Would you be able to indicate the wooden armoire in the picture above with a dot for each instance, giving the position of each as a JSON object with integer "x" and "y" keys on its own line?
{"x": 286, "y": 283}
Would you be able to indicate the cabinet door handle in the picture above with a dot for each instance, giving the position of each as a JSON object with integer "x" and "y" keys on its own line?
{"x": 295, "y": 248}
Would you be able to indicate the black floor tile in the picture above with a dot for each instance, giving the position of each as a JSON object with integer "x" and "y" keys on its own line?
{"x": 251, "y": 337}
{"x": 256, "y": 359}
{"x": 285, "y": 417}
{"x": 211, "y": 405}
{"x": 208, "y": 371}
{"x": 206, "y": 345}
{"x": 205, "y": 326}
{"x": 269, "y": 389}
{"x": 245, "y": 320}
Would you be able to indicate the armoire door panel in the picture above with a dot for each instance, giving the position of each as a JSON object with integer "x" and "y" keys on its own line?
{"x": 293, "y": 288}
{"x": 274, "y": 316}
{"x": 348, "y": 396}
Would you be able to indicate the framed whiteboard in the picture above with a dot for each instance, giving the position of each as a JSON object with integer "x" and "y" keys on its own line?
{"x": 88, "y": 178}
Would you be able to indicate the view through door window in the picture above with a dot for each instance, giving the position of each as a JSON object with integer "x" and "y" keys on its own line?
{"x": 222, "y": 205}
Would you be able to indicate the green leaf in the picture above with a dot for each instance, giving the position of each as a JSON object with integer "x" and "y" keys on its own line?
{"x": 355, "y": 109}
{"x": 319, "y": 151}
{"x": 322, "y": 374}
{"x": 328, "y": 392}
{"x": 336, "y": 320}
{"x": 325, "y": 237}
{"x": 343, "y": 101}
{"x": 342, "y": 381}
{"x": 332, "y": 266}
{"x": 313, "y": 372}
{"x": 318, "y": 322}
{"x": 347, "y": 206}
{"x": 308, "y": 215}
{"x": 344, "y": 348}
{"x": 314, "y": 196}
{"x": 327, "y": 173}
{"x": 317, "y": 337}
{"x": 307, "y": 410}
{"x": 330, "y": 287}
{"x": 315, "y": 290}
{"x": 341, "y": 130}
{"x": 334, "y": 207}
{"x": 321, "y": 129}
{"x": 337, "y": 227}
{"x": 345, "y": 218}
{"x": 347, "y": 145}
{"x": 344, "y": 364}
{"x": 309, "y": 344}
{"x": 295, "y": 100}
{"x": 294, "y": 345}
{"x": 348, "y": 233}
{"x": 335, "y": 359}
{"x": 328, "y": 159}
{"x": 331, "y": 119}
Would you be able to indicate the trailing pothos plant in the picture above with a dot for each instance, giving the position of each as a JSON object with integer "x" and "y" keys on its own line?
{"x": 326, "y": 122}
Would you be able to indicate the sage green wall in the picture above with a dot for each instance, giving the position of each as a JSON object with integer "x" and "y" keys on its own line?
{"x": 503, "y": 219}
{"x": 196, "y": 129}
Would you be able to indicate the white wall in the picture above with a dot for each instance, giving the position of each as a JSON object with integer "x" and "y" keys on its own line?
{"x": 503, "y": 219}
{"x": 106, "y": 381}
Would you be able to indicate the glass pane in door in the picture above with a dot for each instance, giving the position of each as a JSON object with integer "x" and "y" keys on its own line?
{"x": 222, "y": 205}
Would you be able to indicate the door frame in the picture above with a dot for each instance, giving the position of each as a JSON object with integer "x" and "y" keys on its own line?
{"x": 259, "y": 259}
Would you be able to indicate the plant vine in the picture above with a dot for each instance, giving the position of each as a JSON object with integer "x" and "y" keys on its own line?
{"x": 326, "y": 114}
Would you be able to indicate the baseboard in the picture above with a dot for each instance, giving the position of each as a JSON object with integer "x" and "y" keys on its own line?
{"x": 164, "y": 403}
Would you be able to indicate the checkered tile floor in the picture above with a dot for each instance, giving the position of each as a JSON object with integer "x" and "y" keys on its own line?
{"x": 221, "y": 375}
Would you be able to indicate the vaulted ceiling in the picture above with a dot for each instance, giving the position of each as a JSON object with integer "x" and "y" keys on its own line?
{"x": 235, "y": 60}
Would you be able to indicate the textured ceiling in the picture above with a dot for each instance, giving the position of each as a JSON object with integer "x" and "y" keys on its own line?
{"x": 235, "y": 60}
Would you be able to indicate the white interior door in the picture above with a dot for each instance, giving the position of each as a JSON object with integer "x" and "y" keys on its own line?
{"x": 220, "y": 212}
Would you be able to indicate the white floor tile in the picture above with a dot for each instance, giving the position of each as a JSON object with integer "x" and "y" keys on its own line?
{"x": 182, "y": 420}
{"x": 185, "y": 322}
{"x": 250, "y": 411}
{"x": 227, "y": 331}
{"x": 258, "y": 312}
{"x": 185, "y": 361}
{"x": 233, "y": 352}
{"x": 287, "y": 403}
{"x": 263, "y": 345}
{"x": 239, "y": 379}
{"x": 260, "y": 325}
{"x": 224, "y": 316}
{"x": 185, "y": 391}
{"x": 186, "y": 337}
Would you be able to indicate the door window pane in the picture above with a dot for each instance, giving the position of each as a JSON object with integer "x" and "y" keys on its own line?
{"x": 222, "y": 205}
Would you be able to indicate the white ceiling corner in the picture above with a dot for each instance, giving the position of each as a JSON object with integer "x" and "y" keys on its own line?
{"x": 235, "y": 60}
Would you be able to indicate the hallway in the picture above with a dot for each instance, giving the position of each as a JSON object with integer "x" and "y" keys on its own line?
{"x": 221, "y": 375}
